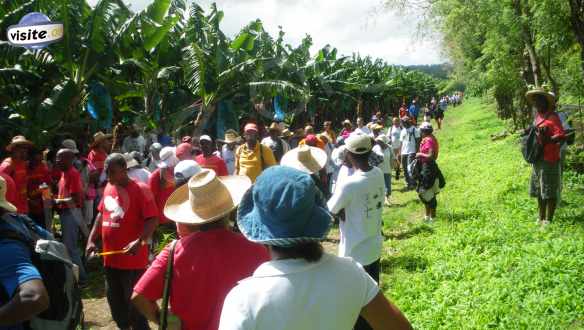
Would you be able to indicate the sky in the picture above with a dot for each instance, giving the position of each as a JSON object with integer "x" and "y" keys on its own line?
{"x": 352, "y": 26}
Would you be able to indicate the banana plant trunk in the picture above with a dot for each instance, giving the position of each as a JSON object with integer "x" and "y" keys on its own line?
{"x": 203, "y": 117}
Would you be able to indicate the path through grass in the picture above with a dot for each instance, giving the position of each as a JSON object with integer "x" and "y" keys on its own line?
{"x": 484, "y": 263}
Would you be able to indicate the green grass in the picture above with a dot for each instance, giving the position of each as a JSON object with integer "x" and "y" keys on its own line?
{"x": 484, "y": 263}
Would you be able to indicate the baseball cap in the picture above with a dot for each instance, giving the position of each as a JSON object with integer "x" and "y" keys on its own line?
{"x": 184, "y": 170}
{"x": 205, "y": 138}
{"x": 167, "y": 157}
{"x": 251, "y": 127}
{"x": 358, "y": 143}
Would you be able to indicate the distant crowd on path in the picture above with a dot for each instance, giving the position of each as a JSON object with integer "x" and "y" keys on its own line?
{"x": 285, "y": 190}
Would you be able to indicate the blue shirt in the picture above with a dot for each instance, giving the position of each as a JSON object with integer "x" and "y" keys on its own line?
{"x": 414, "y": 110}
{"x": 16, "y": 266}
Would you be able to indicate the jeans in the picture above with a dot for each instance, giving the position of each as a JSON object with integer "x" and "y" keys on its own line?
{"x": 119, "y": 285}
{"x": 71, "y": 220}
{"x": 405, "y": 160}
{"x": 387, "y": 179}
{"x": 373, "y": 270}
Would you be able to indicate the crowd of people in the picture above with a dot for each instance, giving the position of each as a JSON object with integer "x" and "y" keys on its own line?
{"x": 265, "y": 270}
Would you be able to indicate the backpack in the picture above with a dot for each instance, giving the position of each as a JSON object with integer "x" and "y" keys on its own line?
{"x": 531, "y": 149}
{"x": 58, "y": 272}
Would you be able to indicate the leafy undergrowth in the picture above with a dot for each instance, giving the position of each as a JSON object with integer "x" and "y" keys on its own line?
{"x": 484, "y": 263}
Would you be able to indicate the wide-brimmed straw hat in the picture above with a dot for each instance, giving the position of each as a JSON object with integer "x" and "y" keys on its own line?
{"x": 99, "y": 137}
{"x": 206, "y": 198}
{"x": 231, "y": 136}
{"x": 3, "y": 202}
{"x": 283, "y": 208}
{"x": 305, "y": 158}
{"x": 19, "y": 140}
{"x": 550, "y": 97}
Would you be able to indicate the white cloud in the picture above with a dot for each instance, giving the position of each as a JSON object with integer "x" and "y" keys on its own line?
{"x": 352, "y": 26}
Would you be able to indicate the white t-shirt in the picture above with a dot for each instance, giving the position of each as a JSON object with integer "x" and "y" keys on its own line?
{"x": 134, "y": 144}
{"x": 139, "y": 175}
{"x": 361, "y": 195}
{"x": 294, "y": 294}
{"x": 394, "y": 135}
{"x": 228, "y": 156}
{"x": 408, "y": 138}
{"x": 387, "y": 155}
{"x": 363, "y": 130}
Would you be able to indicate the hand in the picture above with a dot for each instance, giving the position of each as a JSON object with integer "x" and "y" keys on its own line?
{"x": 90, "y": 249}
{"x": 133, "y": 247}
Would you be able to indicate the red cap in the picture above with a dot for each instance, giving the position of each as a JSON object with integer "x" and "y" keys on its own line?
{"x": 184, "y": 150}
{"x": 251, "y": 127}
{"x": 187, "y": 139}
{"x": 311, "y": 140}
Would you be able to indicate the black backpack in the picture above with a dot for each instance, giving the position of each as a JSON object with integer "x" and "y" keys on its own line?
{"x": 50, "y": 257}
{"x": 531, "y": 149}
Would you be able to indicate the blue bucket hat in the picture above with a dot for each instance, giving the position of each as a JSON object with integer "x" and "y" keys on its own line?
{"x": 283, "y": 208}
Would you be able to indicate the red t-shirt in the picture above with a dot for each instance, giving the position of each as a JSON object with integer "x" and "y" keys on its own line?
{"x": 429, "y": 143}
{"x": 124, "y": 211}
{"x": 553, "y": 124}
{"x": 37, "y": 176}
{"x": 69, "y": 184}
{"x": 10, "y": 188}
{"x": 97, "y": 158}
{"x": 18, "y": 172}
{"x": 162, "y": 190}
{"x": 207, "y": 265}
{"x": 214, "y": 163}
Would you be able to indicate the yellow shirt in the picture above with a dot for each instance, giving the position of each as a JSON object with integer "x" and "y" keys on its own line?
{"x": 249, "y": 162}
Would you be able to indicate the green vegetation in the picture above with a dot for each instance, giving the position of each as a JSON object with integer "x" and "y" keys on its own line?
{"x": 484, "y": 263}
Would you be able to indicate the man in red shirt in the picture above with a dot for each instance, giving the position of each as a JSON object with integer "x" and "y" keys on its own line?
{"x": 546, "y": 178}
{"x": 15, "y": 167}
{"x": 125, "y": 223}
{"x": 161, "y": 181}
{"x": 69, "y": 202}
{"x": 209, "y": 259}
{"x": 208, "y": 159}
{"x": 99, "y": 150}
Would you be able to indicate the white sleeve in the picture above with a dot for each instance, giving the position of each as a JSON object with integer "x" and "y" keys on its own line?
{"x": 235, "y": 314}
{"x": 339, "y": 199}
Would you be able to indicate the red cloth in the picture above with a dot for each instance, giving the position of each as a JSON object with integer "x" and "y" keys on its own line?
{"x": 97, "y": 158}
{"x": 18, "y": 172}
{"x": 69, "y": 184}
{"x": 403, "y": 112}
{"x": 184, "y": 150}
{"x": 214, "y": 163}
{"x": 553, "y": 128}
{"x": 162, "y": 190}
{"x": 207, "y": 265}
{"x": 10, "y": 188}
{"x": 124, "y": 211}
{"x": 37, "y": 176}
{"x": 429, "y": 143}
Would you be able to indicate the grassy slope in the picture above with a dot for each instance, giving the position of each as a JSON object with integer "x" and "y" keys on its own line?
{"x": 484, "y": 263}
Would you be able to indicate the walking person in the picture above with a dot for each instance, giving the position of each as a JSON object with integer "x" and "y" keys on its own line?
{"x": 39, "y": 178}
{"x": 302, "y": 287}
{"x": 430, "y": 175}
{"x": 209, "y": 159}
{"x": 414, "y": 111}
{"x": 346, "y": 131}
{"x": 126, "y": 221}
{"x": 161, "y": 181}
{"x": 219, "y": 257}
{"x": 394, "y": 134}
{"x": 546, "y": 174}
{"x": 383, "y": 148}
{"x": 409, "y": 136}
{"x": 251, "y": 158}
{"x": 273, "y": 141}
{"x": 69, "y": 203}
{"x": 15, "y": 167}
{"x": 231, "y": 141}
{"x": 440, "y": 110}
{"x": 361, "y": 195}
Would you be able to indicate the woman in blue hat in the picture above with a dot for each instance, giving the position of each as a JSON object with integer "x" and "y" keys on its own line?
{"x": 301, "y": 287}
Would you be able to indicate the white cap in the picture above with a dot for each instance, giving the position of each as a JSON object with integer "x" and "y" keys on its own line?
{"x": 358, "y": 143}
{"x": 185, "y": 169}
{"x": 167, "y": 157}
{"x": 205, "y": 138}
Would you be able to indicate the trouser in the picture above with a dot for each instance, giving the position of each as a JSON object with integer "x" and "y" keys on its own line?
{"x": 405, "y": 161}
{"x": 373, "y": 270}
{"x": 71, "y": 220}
{"x": 387, "y": 179}
{"x": 88, "y": 212}
{"x": 119, "y": 285}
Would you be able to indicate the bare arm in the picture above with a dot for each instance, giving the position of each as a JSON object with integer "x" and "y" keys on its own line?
{"x": 146, "y": 307}
{"x": 149, "y": 228}
{"x": 382, "y": 314}
{"x": 30, "y": 299}
{"x": 94, "y": 236}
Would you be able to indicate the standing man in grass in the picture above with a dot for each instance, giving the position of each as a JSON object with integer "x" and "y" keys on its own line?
{"x": 545, "y": 178}
{"x": 361, "y": 195}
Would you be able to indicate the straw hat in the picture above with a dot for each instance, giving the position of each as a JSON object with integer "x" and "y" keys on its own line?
{"x": 347, "y": 122}
{"x": 274, "y": 127}
{"x": 231, "y": 136}
{"x": 99, "y": 137}
{"x": 206, "y": 198}
{"x": 550, "y": 97}
{"x": 3, "y": 202}
{"x": 305, "y": 158}
{"x": 286, "y": 133}
{"x": 19, "y": 140}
